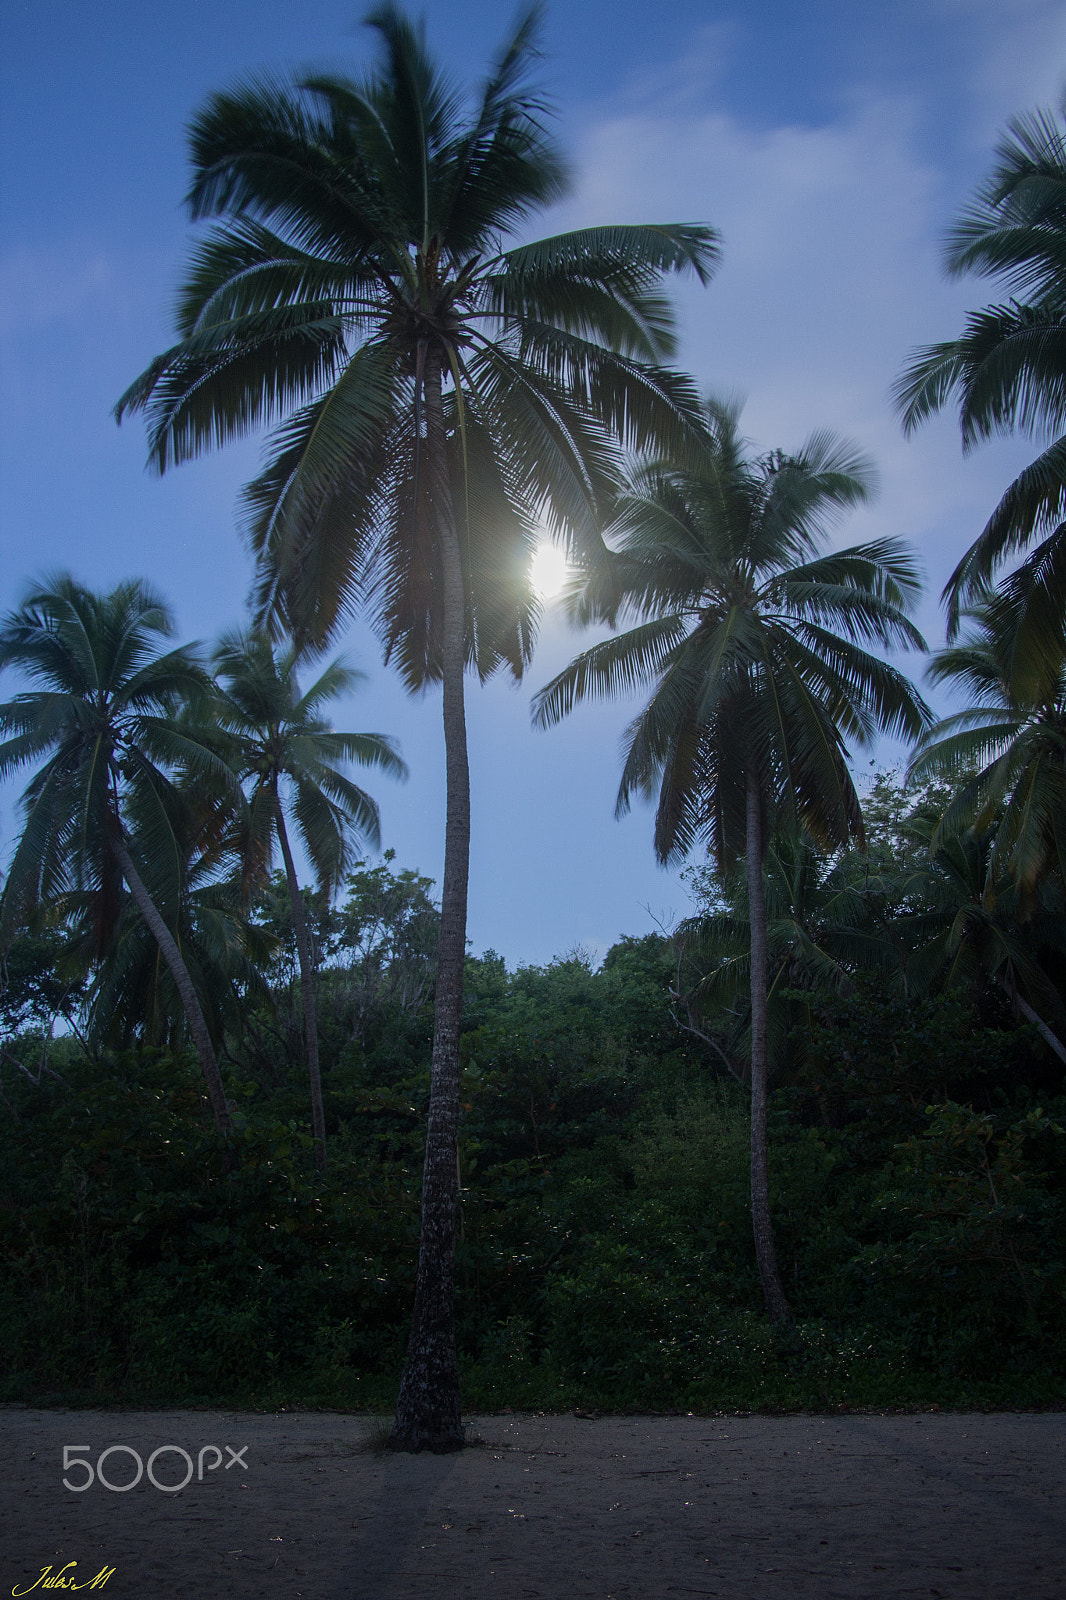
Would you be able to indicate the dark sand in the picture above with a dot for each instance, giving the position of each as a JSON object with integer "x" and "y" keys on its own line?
{"x": 960, "y": 1507}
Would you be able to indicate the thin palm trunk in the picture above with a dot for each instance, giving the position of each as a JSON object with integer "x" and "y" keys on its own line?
{"x": 765, "y": 1254}
{"x": 307, "y": 995}
{"x": 428, "y": 1412}
{"x": 182, "y": 982}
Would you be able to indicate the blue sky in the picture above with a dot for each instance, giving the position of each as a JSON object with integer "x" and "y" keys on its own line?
{"x": 830, "y": 142}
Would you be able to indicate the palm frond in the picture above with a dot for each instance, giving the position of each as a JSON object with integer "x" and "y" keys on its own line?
{"x": 614, "y": 666}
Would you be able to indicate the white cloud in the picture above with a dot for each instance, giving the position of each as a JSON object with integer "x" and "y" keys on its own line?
{"x": 830, "y": 277}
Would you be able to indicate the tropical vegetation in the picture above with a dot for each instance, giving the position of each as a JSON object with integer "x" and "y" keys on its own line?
{"x": 605, "y": 1257}
{"x": 805, "y": 1149}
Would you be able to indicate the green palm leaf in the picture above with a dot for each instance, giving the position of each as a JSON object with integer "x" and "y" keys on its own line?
{"x": 1017, "y": 745}
{"x": 1007, "y": 370}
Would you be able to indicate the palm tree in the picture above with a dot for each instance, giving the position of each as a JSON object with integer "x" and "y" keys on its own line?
{"x": 107, "y": 715}
{"x": 1013, "y": 746}
{"x": 133, "y": 995}
{"x": 1007, "y": 371}
{"x": 444, "y": 399}
{"x": 753, "y": 643}
{"x": 964, "y": 925}
{"x": 281, "y": 741}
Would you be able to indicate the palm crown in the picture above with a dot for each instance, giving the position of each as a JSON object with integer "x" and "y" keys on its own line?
{"x": 753, "y": 642}
{"x": 282, "y": 740}
{"x": 106, "y": 716}
{"x": 358, "y": 274}
{"x": 1007, "y": 370}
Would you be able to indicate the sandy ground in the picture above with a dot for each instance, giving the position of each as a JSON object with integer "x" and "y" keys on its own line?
{"x": 962, "y": 1507}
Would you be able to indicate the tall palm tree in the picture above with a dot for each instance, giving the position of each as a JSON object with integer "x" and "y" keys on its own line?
{"x": 753, "y": 645}
{"x": 107, "y": 714}
{"x": 1014, "y": 747}
{"x": 1007, "y": 371}
{"x": 444, "y": 399}
{"x": 282, "y": 742}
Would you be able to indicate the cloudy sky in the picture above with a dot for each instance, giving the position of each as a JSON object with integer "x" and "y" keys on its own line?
{"x": 829, "y": 142}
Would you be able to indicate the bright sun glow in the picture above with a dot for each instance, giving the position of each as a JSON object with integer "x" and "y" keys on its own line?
{"x": 550, "y": 570}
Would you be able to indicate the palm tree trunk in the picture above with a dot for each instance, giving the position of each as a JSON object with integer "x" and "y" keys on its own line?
{"x": 765, "y": 1254}
{"x": 307, "y": 992}
{"x": 1024, "y": 1009}
{"x": 428, "y": 1412}
{"x": 182, "y": 982}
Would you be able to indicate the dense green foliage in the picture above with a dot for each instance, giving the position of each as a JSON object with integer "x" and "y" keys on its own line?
{"x": 605, "y": 1254}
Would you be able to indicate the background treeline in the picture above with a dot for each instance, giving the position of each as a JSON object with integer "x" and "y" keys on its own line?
{"x": 605, "y": 1253}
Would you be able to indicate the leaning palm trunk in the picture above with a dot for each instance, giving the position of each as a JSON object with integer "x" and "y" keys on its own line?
{"x": 428, "y": 1411}
{"x": 765, "y": 1254}
{"x": 1024, "y": 1009}
{"x": 307, "y": 996}
{"x": 182, "y": 982}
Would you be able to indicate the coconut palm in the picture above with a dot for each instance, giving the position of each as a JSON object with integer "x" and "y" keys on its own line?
{"x": 1013, "y": 747}
{"x": 106, "y": 712}
{"x": 1007, "y": 371}
{"x": 966, "y": 924}
{"x": 753, "y": 644}
{"x": 133, "y": 995}
{"x": 291, "y": 759}
{"x": 443, "y": 400}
